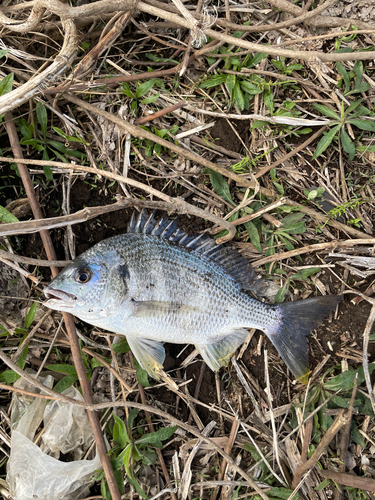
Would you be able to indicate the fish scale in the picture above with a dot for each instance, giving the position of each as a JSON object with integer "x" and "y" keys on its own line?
{"x": 157, "y": 284}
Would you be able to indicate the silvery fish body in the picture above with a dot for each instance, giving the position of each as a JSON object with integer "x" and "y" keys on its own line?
{"x": 156, "y": 284}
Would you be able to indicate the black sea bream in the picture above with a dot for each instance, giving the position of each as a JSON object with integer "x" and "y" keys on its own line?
{"x": 156, "y": 284}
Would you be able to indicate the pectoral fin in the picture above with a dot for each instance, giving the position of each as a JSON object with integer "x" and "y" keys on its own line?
{"x": 150, "y": 354}
{"x": 219, "y": 353}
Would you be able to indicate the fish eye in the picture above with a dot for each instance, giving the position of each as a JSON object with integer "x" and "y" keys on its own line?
{"x": 83, "y": 276}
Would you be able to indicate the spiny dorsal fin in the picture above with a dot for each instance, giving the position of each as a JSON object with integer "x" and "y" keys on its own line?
{"x": 228, "y": 258}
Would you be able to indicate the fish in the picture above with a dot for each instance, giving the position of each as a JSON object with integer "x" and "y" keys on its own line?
{"x": 157, "y": 284}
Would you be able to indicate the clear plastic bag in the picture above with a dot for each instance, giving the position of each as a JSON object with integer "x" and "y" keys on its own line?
{"x": 66, "y": 427}
{"x": 33, "y": 474}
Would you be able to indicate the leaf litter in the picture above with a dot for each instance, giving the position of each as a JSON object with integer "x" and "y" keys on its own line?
{"x": 282, "y": 423}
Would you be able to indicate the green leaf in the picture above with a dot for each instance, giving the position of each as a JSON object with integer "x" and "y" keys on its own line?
{"x": 144, "y": 88}
{"x": 9, "y": 377}
{"x": 213, "y": 82}
{"x": 220, "y": 186}
{"x": 121, "y": 347}
{"x": 345, "y": 75}
{"x": 268, "y": 100}
{"x": 257, "y": 59}
{"x": 70, "y": 137}
{"x": 31, "y": 315}
{"x": 150, "y": 99}
{"x": 6, "y": 84}
{"x": 282, "y": 493}
{"x": 238, "y": 96}
{"x": 250, "y": 88}
{"x": 41, "y": 113}
{"x": 347, "y": 144}
{"x": 126, "y": 90}
{"x": 280, "y": 296}
{"x": 254, "y": 235}
{"x": 291, "y": 219}
{"x": 363, "y": 124}
{"x": 3, "y": 52}
{"x": 357, "y": 437}
{"x": 305, "y": 273}
{"x": 129, "y": 472}
{"x": 69, "y": 369}
{"x": 120, "y": 432}
{"x": 231, "y": 82}
{"x": 322, "y": 485}
{"x": 326, "y": 111}
{"x": 156, "y": 438}
{"x": 65, "y": 383}
{"x": 254, "y": 453}
{"x": 325, "y": 141}
{"x": 48, "y": 171}
{"x": 141, "y": 374}
{"x": 6, "y": 216}
{"x": 345, "y": 380}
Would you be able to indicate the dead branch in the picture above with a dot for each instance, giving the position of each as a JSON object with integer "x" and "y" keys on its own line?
{"x": 68, "y": 318}
{"x": 46, "y": 78}
{"x": 340, "y": 420}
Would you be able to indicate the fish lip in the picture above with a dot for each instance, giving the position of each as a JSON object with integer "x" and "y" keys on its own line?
{"x": 58, "y": 298}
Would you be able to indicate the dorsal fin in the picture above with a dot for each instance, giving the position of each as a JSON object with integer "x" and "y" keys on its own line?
{"x": 228, "y": 258}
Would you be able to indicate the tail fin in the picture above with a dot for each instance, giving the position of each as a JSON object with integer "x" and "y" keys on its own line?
{"x": 298, "y": 319}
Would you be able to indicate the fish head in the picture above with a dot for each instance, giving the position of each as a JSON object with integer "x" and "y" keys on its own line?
{"x": 91, "y": 287}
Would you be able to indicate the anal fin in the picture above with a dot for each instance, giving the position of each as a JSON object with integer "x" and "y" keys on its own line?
{"x": 150, "y": 354}
{"x": 219, "y": 353}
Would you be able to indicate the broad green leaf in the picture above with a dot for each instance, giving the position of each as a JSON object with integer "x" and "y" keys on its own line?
{"x": 151, "y": 99}
{"x": 325, "y": 141}
{"x": 48, "y": 171}
{"x": 213, "y": 82}
{"x": 322, "y": 485}
{"x": 254, "y": 235}
{"x": 345, "y": 380}
{"x": 141, "y": 374}
{"x": 65, "y": 383}
{"x": 238, "y": 96}
{"x": 70, "y": 137}
{"x": 31, "y": 315}
{"x": 291, "y": 219}
{"x": 357, "y": 437}
{"x": 268, "y": 100}
{"x": 69, "y": 369}
{"x": 347, "y": 144}
{"x": 305, "y": 273}
{"x": 282, "y": 493}
{"x": 250, "y": 88}
{"x": 129, "y": 472}
{"x": 231, "y": 82}
{"x": 254, "y": 453}
{"x": 121, "y": 347}
{"x": 57, "y": 145}
{"x": 280, "y": 296}
{"x": 9, "y": 377}
{"x": 126, "y": 90}
{"x": 6, "y": 84}
{"x": 257, "y": 59}
{"x": 220, "y": 186}
{"x": 326, "y": 111}
{"x": 3, "y": 52}
{"x": 363, "y": 124}
{"x": 156, "y": 438}
{"x": 120, "y": 432}
{"x": 6, "y": 216}
{"x": 132, "y": 416}
{"x": 345, "y": 76}
{"x": 144, "y": 88}
{"x": 41, "y": 113}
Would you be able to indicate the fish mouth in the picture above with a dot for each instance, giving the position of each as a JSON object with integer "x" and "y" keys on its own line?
{"x": 57, "y": 299}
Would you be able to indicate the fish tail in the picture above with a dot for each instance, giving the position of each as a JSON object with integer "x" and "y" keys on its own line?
{"x": 296, "y": 321}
